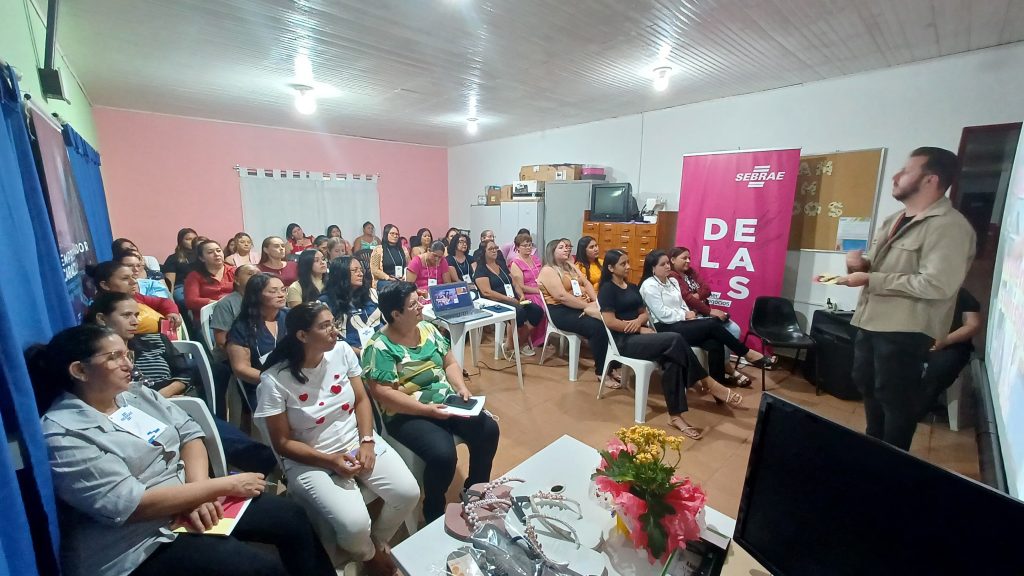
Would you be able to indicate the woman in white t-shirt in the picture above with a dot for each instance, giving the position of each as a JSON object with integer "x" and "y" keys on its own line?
{"x": 320, "y": 422}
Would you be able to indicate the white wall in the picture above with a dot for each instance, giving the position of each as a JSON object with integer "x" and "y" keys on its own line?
{"x": 923, "y": 104}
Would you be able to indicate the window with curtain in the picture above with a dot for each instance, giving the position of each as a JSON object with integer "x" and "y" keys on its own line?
{"x": 271, "y": 199}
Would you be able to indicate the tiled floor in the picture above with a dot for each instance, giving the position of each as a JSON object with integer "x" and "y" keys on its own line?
{"x": 551, "y": 406}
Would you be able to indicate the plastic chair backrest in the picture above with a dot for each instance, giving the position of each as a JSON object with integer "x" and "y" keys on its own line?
{"x": 364, "y": 258}
{"x": 202, "y": 363}
{"x": 774, "y": 314}
{"x": 197, "y": 410}
{"x": 204, "y": 325}
{"x": 612, "y": 348}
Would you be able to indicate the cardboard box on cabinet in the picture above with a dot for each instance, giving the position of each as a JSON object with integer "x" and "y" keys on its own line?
{"x": 551, "y": 172}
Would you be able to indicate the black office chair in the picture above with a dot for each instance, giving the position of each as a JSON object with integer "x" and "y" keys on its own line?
{"x": 364, "y": 258}
{"x": 773, "y": 321}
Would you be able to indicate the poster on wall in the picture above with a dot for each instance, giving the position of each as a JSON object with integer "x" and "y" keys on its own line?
{"x": 735, "y": 210}
{"x": 67, "y": 216}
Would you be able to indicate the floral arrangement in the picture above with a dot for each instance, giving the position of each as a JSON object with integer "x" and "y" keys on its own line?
{"x": 657, "y": 509}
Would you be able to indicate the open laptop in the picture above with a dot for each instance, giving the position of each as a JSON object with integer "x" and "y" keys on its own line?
{"x": 453, "y": 303}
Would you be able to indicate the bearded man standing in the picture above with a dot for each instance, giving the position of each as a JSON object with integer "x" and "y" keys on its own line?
{"x": 910, "y": 277}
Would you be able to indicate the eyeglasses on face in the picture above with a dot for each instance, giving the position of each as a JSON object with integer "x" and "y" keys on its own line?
{"x": 115, "y": 357}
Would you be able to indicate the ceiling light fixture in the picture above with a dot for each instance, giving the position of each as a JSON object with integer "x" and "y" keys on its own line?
{"x": 471, "y": 125}
{"x": 305, "y": 100}
{"x": 661, "y": 74}
{"x": 303, "y": 67}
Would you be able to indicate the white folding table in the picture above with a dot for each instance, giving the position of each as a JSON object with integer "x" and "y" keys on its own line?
{"x": 458, "y": 331}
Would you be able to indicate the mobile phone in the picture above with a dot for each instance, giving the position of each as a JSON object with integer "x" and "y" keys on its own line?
{"x": 456, "y": 401}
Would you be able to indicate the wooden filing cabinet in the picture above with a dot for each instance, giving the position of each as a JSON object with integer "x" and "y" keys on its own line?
{"x": 636, "y": 240}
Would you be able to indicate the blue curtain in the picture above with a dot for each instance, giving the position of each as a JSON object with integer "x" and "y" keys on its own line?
{"x": 85, "y": 167}
{"x": 33, "y": 306}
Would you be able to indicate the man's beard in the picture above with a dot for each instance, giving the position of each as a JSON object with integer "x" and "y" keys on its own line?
{"x": 906, "y": 192}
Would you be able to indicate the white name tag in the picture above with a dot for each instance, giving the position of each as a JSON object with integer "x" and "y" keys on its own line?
{"x": 465, "y": 278}
{"x": 365, "y": 333}
{"x": 399, "y": 272}
{"x": 576, "y": 290}
{"x": 509, "y": 292}
{"x": 431, "y": 281}
{"x": 138, "y": 423}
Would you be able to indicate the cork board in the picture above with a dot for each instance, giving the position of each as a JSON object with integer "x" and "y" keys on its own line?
{"x": 833, "y": 190}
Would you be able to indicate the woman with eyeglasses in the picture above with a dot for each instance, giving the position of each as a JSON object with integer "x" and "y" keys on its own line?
{"x": 147, "y": 286}
{"x": 495, "y": 283}
{"x": 411, "y": 370}
{"x": 429, "y": 268}
{"x": 312, "y": 267}
{"x": 460, "y": 259}
{"x": 127, "y": 465}
{"x": 525, "y": 265}
{"x": 389, "y": 260}
{"x": 352, "y": 301}
{"x": 320, "y": 422}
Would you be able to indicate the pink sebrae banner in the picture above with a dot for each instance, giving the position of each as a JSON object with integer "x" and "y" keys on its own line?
{"x": 735, "y": 210}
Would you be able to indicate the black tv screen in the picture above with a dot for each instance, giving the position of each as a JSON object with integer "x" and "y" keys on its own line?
{"x": 821, "y": 500}
{"x": 612, "y": 202}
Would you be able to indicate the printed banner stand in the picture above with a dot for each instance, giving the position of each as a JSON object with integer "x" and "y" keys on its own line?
{"x": 735, "y": 210}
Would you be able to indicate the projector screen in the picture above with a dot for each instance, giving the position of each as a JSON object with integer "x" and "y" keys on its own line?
{"x": 1004, "y": 350}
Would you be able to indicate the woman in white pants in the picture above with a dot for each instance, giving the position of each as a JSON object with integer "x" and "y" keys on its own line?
{"x": 320, "y": 422}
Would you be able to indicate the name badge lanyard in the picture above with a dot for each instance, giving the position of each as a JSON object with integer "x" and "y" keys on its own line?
{"x": 387, "y": 249}
{"x": 503, "y": 276}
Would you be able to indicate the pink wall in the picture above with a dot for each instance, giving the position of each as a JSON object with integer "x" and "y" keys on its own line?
{"x": 162, "y": 173}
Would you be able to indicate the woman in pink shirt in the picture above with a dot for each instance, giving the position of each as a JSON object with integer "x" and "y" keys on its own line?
{"x": 524, "y": 266}
{"x": 243, "y": 253}
{"x": 429, "y": 268}
{"x": 211, "y": 280}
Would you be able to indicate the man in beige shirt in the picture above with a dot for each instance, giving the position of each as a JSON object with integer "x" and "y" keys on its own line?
{"x": 910, "y": 277}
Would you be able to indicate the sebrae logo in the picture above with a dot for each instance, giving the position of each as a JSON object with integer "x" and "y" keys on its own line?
{"x": 759, "y": 175}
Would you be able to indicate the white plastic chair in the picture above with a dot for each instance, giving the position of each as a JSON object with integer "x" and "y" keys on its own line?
{"x": 641, "y": 368}
{"x": 574, "y": 340}
{"x": 195, "y": 350}
{"x": 204, "y": 326}
{"x": 197, "y": 410}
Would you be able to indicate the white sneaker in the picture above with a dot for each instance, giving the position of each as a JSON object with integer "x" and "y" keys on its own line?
{"x": 527, "y": 351}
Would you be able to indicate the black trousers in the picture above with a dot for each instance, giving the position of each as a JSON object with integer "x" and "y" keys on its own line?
{"x": 888, "y": 369}
{"x": 569, "y": 319}
{"x": 529, "y": 312}
{"x": 681, "y": 367}
{"x": 711, "y": 335}
{"x": 943, "y": 368}
{"x": 431, "y": 440}
{"x": 269, "y": 520}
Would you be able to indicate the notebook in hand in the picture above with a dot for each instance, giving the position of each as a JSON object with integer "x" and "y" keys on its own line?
{"x": 233, "y": 509}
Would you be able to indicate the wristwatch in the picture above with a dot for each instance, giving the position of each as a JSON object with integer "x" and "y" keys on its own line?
{"x": 366, "y": 439}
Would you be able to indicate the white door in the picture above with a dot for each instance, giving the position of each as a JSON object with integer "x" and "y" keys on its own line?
{"x": 509, "y": 222}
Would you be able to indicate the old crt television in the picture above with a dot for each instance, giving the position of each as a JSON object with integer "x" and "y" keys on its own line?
{"x": 821, "y": 499}
{"x": 613, "y": 203}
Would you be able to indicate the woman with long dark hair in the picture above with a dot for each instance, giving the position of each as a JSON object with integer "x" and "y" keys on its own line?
{"x": 626, "y": 316}
{"x": 352, "y": 301}
{"x": 460, "y": 259}
{"x": 297, "y": 239}
{"x": 320, "y": 422}
{"x": 411, "y": 370}
{"x": 589, "y": 261}
{"x": 389, "y": 260}
{"x": 670, "y": 313}
{"x": 210, "y": 280}
{"x": 124, "y": 487}
{"x": 254, "y": 334}
{"x": 113, "y": 276}
{"x": 272, "y": 260}
{"x": 421, "y": 242}
{"x": 177, "y": 266}
{"x": 312, "y": 268}
{"x": 495, "y": 283}
{"x": 366, "y": 240}
{"x": 451, "y": 233}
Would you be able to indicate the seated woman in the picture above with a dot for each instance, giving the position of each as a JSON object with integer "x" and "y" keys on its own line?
{"x": 111, "y": 276}
{"x": 297, "y": 239}
{"x": 334, "y": 233}
{"x": 312, "y": 268}
{"x": 572, "y": 301}
{"x": 429, "y": 269}
{"x": 525, "y": 266}
{"x": 320, "y": 422}
{"x": 389, "y": 259}
{"x": 366, "y": 241}
{"x": 122, "y": 491}
{"x": 626, "y": 316}
{"x": 272, "y": 260}
{"x": 151, "y": 266}
{"x": 244, "y": 253}
{"x": 411, "y": 370}
{"x": 147, "y": 286}
{"x": 459, "y": 258}
{"x": 588, "y": 260}
{"x": 451, "y": 233}
{"x": 421, "y": 242}
{"x": 177, "y": 266}
{"x": 256, "y": 331}
{"x": 352, "y": 301}
{"x": 158, "y": 366}
{"x": 211, "y": 280}
{"x": 495, "y": 283}
{"x": 669, "y": 312}
{"x": 337, "y": 247}
{"x": 478, "y": 254}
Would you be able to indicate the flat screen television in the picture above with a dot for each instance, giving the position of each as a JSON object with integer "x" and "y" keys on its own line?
{"x": 613, "y": 203}
{"x": 822, "y": 500}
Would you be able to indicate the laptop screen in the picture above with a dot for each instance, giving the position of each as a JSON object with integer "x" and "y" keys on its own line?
{"x": 454, "y": 296}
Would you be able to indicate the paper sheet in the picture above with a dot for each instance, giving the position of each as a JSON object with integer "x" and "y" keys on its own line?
{"x": 852, "y": 234}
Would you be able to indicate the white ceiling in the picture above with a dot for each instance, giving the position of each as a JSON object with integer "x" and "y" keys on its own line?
{"x": 406, "y": 70}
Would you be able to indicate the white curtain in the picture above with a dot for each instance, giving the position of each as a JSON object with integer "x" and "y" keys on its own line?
{"x": 271, "y": 199}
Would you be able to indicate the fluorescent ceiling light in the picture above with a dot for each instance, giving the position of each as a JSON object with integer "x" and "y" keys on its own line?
{"x": 471, "y": 125}
{"x": 305, "y": 101}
